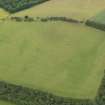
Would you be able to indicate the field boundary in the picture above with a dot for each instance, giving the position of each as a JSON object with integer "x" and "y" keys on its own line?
{"x": 96, "y": 25}
{"x": 27, "y": 96}
{"x": 42, "y": 19}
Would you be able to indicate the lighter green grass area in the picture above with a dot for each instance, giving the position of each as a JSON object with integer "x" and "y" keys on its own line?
{"x": 5, "y": 103}
{"x": 78, "y": 9}
{"x": 99, "y": 18}
{"x": 3, "y": 14}
{"x": 61, "y": 58}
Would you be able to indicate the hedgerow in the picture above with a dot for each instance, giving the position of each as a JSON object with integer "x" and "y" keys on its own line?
{"x": 45, "y": 19}
{"x": 26, "y": 96}
{"x": 17, "y": 5}
{"x": 96, "y": 25}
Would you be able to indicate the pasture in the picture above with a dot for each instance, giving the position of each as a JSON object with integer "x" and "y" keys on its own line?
{"x": 61, "y": 58}
{"x": 49, "y": 56}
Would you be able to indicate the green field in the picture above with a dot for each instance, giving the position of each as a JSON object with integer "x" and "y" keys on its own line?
{"x": 61, "y": 58}
{"x": 49, "y": 56}
{"x": 78, "y": 9}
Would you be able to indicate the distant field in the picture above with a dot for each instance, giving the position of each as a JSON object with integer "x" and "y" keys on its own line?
{"x": 49, "y": 56}
{"x": 78, "y": 9}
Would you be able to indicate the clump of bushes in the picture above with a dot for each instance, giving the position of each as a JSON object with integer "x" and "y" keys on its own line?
{"x": 17, "y": 5}
{"x": 96, "y": 25}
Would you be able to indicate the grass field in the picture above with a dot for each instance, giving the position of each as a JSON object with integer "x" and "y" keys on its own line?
{"x": 78, "y": 9}
{"x": 64, "y": 59}
{"x": 49, "y": 56}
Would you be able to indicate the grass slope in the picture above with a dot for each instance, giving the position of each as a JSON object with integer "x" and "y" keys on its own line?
{"x": 78, "y": 9}
{"x": 49, "y": 56}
